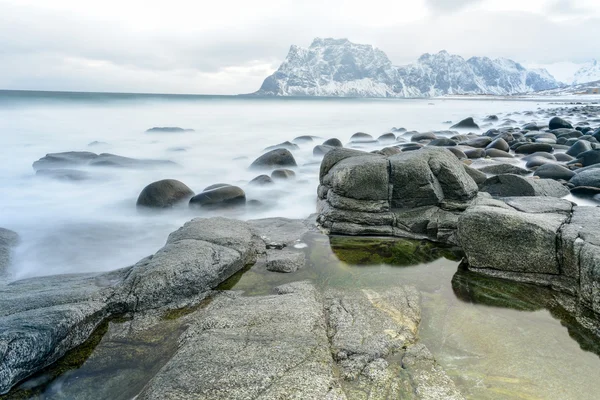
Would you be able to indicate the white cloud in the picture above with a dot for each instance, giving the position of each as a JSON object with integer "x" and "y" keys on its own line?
{"x": 230, "y": 47}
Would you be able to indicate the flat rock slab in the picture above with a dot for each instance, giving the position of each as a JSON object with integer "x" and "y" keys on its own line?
{"x": 285, "y": 261}
{"x": 268, "y": 347}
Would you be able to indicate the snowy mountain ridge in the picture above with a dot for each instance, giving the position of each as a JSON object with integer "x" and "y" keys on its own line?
{"x": 338, "y": 67}
{"x": 589, "y": 72}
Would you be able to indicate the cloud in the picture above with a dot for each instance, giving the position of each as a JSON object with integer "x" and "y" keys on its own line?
{"x": 183, "y": 46}
{"x": 449, "y": 6}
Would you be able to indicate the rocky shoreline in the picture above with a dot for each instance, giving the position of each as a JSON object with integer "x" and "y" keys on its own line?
{"x": 470, "y": 191}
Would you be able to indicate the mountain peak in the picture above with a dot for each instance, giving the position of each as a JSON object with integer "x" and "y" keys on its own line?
{"x": 589, "y": 72}
{"x": 338, "y": 67}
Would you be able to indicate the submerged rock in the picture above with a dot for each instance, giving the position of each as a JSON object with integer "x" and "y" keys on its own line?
{"x": 466, "y": 123}
{"x": 220, "y": 196}
{"x": 507, "y": 185}
{"x": 559, "y": 123}
{"x": 274, "y": 159}
{"x": 164, "y": 193}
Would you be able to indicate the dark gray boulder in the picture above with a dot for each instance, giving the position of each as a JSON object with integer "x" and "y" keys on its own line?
{"x": 558, "y": 123}
{"x": 477, "y": 176}
{"x": 499, "y": 169}
{"x": 423, "y": 137}
{"x": 277, "y": 158}
{"x": 283, "y": 174}
{"x": 164, "y": 193}
{"x": 531, "y": 148}
{"x": 495, "y": 153}
{"x": 361, "y": 137}
{"x": 480, "y": 142}
{"x": 499, "y": 144}
{"x": 261, "y": 180}
{"x": 442, "y": 142}
{"x": 554, "y": 171}
{"x": 591, "y": 157}
{"x": 223, "y": 196}
{"x": 509, "y": 185}
{"x": 387, "y": 138}
{"x": 589, "y": 178}
{"x": 579, "y": 147}
{"x": 333, "y": 142}
{"x": 474, "y": 153}
{"x": 467, "y": 123}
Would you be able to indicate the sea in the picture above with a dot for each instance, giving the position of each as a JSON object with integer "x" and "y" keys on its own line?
{"x": 491, "y": 351}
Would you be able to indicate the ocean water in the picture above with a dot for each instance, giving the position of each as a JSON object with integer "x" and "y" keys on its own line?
{"x": 93, "y": 225}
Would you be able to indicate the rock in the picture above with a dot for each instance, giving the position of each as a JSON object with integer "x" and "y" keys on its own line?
{"x": 428, "y": 177}
{"x": 477, "y": 176}
{"x": 64, "y": 174}
{"x": 475, "y": 153}
{"x": 285, "y": 261}
{"x": 589, "y": 178}
{"x": 535, "y": 162}
{"x": 579, "y": 147}
{"x": 540, "y": 205}
{"x": 64, "y": 160}
{"x": 333, "y": 143}
{"x": 387, "y": 138}
{"x": 113, "y": 160}
{"x": 389, "y": 151}
{"x": 361, "y": 137}
{"x": 274, "y": 159}
{"x": 559, "y": 123}
{"x": 223, "y": 196}
{"x": 499, "y": 144}
{"x": 499, "y": 169}
{"x": 532, "y": 126}
{"x": 509, "y": 240}
{"x": 457, "y": 152}
{"x": 508, "y": 185}
{"x": 491, "y": 118}
{"x": 164, "y": 193}
{"x": 478, "y": 142}
{"x": 215, "y": 186}
{"x": 8, "y": 240}
{"x": 563, "y": 157}
{"x": 229, "y": 350}
{"x": 283, "y": 174}
{"x": 421, "y": 137}
{"x": 321, "y": 150}
{"x": 261, "y": 180}
{"x": 168, "y": 129}
{"x": 466, "y": 123}
{"x": 303, "y": 139}
{"x": 554, "y": 171}
{"x": 531, "y": 148}
{"x": 495, "y": 153}
{"x": 587, "y": 158}
{"x": 284, "y": 145}
{"x": 442, "y": 142}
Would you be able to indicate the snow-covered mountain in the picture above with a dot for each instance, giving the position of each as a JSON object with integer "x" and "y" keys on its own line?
{"x": 338, "y": 67}
{"x": 589, "y": 72}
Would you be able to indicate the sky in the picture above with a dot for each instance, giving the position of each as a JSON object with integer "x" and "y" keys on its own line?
{"x": 230, "y": 46}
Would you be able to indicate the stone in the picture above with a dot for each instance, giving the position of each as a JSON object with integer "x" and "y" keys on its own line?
{"x": 499, "y": 144}
{"x": 274, "y": 159}
{"x": 164, "y": 193}
{"x": 361, "y": 177}
{"x": 466, "y": 123}
{"x": 559, "y": 123}
{"x": 285, "y": 261}
{"x": 428, "y": 177}
{"x": 333, "y": 142}
{"x": 285, "y": 145}
{"x": 531, "y": 148}
{"x": 510, "y": 240}
{"x": 168, "y": 129}
{"x": 421, "y": 137}
{"x": 495, "y": 153}
{"x": 362, "y": 137}
{"x": 477, "y": 175}
{"x": 507, "y": 185}
{"x": 457, "y": 152}
{"x": 115, "y": 161}
{"x": 587, "y": 158}
{"x": 540, "y": 205}
{"x": 475, "y": 153}
{"x": 442, "y": 142}
{"x": 64, "y": 160}
{"x": 223, "y": 196}
{"x": 479, "y": 142}
{"x": 283, "y": 174}
{"x": 589, "y": 178}
{"x": 579, "y": 147}
{"x": 303, "y": 139}
{"x": 499, "y": 169}
{"x": 554, "y": 171}
{"x": 321, "y": 150}
{"x": 261, "y": 180}
{"x": 387, "y": 138}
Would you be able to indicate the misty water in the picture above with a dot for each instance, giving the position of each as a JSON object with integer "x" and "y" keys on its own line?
{"x": 93, "y": 225}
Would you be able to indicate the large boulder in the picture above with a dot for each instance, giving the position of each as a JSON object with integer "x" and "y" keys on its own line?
{"x": 559, "y": 123}
{"x": 277, "y": 158}
{"x": 507, "y": 185}
{"x": 164, "y": 193}
{"x": 589, "y": 178}
{"x": 587, "y": 158}
{"x": 466, "y": 123}
{"x": 554, "y": 171}
{"x": 505, "y": 239}
{"x": 429, "y": 177}
{"x": 220, "y": 196}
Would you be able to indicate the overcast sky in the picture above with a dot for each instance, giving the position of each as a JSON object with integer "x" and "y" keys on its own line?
{"x": 230, "y": 46}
